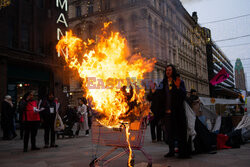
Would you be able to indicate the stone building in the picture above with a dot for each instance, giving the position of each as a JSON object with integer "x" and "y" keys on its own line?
{"x": 240, "y": 80}
{"x": 28, "y": 58}
{"x": 155, "y": 28}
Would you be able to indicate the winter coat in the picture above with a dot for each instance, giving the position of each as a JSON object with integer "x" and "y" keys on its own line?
{"x": 29, "y": 114}
{"x": 49, "y": 112}
{"x": 177, "y": 116}
{"x": 7, "y": 115}
{"x": 154, "y": 99}
{"x": 82, "y": 112}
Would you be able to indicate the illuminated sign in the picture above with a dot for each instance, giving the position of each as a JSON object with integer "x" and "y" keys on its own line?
{"x": 62, "y": 4}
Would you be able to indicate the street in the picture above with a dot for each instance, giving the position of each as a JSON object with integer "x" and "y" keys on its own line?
{"x": 76, "y": 152}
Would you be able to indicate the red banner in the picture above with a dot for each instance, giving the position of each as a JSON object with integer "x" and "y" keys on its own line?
{"x": 220, "y": 77}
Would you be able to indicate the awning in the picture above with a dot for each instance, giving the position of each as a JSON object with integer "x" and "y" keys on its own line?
{"x": 213, "y": 101}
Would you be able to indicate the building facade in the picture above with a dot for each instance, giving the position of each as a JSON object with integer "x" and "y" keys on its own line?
{"x": 216, "y": 60}
{"x": 240, "y": 80}
{"x": 28, "y": 58}
{"x": 155, "y": 28}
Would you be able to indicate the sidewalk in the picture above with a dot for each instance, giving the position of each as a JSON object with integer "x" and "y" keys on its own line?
{"x": 76, "y": 152}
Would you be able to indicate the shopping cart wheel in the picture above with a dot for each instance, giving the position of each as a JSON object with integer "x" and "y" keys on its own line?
{"x": 149, "y": 165}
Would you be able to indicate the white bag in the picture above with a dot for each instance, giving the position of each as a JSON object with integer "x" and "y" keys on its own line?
{"x": 58, "y": 124}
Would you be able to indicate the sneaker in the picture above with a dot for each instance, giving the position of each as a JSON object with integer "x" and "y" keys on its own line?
{"x": 87, "y": 135}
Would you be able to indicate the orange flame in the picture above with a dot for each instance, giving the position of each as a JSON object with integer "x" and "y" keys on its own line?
{"x": 106, "y": 66}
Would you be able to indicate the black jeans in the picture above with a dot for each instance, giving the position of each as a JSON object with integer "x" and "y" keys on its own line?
{"x": 30, "y": 127}
{"x": 154, "y": 125}
{"x": 49, "y": 129}
{"x": 176, "y": 131}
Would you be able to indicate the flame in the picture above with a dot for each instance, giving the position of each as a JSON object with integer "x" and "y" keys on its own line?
{"x": 129, "y": 147}
{"x": 110, "y": 75}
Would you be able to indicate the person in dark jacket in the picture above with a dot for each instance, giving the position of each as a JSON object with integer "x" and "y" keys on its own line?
{"x": 31, "y": 121}
{"x": 7, "y": 118}
{"x": 154, "y": 121}
{"x": 48, "y": 114}
{"x": 171, "y": 100}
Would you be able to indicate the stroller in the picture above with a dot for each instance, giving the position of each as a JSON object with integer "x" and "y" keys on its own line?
{"x": 69, "y": 119}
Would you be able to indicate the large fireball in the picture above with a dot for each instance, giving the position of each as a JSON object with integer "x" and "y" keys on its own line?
{"x": 111, "y": 75}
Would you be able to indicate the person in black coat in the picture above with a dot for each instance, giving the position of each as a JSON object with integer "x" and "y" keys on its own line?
{"x": 172, "y": 93}
{"x": 7, "y": 118}
{"x": 48, "y": 115}
{"x": 154, "y": 122}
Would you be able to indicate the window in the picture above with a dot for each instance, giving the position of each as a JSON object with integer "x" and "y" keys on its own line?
{"x": 156, "y": 28}
{"x": 91, "y": 31}
{"x": 11, "y": 28}
{"x": 107, "y": 4}
{"x": 121, "y": 25}
{"x": 78, "y": 31}
{"x": 132, "y": 1}
{"x": 133, "y": 21}
{"x": 78, "y": 11}
{"x": 40, "y": 3}
{"x": 90, "y": 7}
{"x": 25, "y": 36}
{"x": 150, "y": 24}
{"x": 40, "y": 39}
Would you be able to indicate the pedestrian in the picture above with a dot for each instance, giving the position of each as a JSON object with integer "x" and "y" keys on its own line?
{"x": 83, "y": 117}
{"x": 90, "y": 112}
{"x": 57, "y": 104}
{"x": 48, "y": 113}
{"x": 154, "y": 120}
{"x": 193, "y": 92}
{"x": 31, "y": 121}
{"x": 171, "y": 99}
{"x": 21, "y": 108}
{"x": 7, "y": 118}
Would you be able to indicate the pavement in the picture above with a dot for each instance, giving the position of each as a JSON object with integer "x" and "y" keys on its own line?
{"x": 78, "y": 152}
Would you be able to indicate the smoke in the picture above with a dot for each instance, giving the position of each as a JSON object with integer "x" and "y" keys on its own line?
{"x": 190, "y": 1}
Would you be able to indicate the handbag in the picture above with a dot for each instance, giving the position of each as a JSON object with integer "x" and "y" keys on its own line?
{"x": 58, "y": 124}
{"x": 81, "y": 119}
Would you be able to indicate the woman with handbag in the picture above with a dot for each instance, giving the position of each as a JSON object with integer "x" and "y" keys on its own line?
{"x": 83, "y": 117}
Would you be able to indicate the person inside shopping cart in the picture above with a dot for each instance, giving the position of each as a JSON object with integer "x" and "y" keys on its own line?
{"x": 172, "y": 93}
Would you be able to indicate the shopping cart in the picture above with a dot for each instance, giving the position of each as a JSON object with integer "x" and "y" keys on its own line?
{"x": 116, "y": 138}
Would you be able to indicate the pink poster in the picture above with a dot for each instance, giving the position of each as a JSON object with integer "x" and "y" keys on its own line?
{"x": 220, "y": 77}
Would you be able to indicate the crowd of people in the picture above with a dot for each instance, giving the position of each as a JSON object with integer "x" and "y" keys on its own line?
{"x": 35, "y": 114}
{"x": 175, "y": 118}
